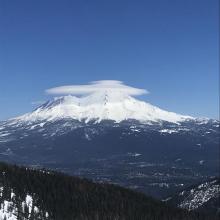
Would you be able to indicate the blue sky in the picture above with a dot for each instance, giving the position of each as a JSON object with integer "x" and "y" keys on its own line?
{"x": 169, "y": 47}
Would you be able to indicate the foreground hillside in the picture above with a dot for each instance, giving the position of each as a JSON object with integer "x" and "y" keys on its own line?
{"x": 31, "y": 194}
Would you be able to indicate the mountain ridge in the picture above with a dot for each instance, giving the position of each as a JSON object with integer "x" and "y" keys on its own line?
{"x": 203, "y": 197}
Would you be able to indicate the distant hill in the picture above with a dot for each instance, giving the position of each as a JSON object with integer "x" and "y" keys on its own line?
{"x": 40, "y": 194}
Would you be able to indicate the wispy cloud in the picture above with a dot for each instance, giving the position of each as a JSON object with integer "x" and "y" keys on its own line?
{"x": 96, "y": 86}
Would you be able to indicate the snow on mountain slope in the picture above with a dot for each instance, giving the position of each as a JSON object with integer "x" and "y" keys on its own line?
{"x": 198, "y": 196}
{"x": 98, "y": 106}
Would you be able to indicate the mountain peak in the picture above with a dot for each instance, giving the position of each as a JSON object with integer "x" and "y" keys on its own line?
{"x": 101, "y": 105}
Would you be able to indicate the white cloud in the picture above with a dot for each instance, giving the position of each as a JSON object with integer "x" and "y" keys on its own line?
{"x": 96, "y": 86}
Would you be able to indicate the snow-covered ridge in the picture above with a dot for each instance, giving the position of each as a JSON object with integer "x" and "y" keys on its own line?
{"x": 98, "y": 106}
{"x": 200, "y": 195}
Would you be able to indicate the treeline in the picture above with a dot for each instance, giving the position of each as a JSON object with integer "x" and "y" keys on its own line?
{"x": 65, "y": 197}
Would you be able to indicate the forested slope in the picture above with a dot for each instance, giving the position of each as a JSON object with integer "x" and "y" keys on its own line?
{"x": 39, "y": 194}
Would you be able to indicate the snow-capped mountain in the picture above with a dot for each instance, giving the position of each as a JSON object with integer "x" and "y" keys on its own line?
{"x": 111, "y": 136}
{"x": 98, "y": 106}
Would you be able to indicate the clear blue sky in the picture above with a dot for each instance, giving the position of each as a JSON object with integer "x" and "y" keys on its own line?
{"x": 169, "y": 47}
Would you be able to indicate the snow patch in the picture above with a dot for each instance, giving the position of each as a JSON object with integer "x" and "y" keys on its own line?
{"x": 9, "y": 208}
{"x": 169, "y": 131}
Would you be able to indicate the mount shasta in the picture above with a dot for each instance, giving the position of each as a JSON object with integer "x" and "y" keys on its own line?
{"x": 113, "y": 137}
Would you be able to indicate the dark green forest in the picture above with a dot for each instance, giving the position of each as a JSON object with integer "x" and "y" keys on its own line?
{"x": 65, "y": 197}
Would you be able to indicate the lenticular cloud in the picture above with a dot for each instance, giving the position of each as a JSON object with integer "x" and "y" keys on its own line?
{"x": 97, "y": 86}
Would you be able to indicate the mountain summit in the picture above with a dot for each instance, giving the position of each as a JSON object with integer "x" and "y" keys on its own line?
{"x": 101, "y": 105}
